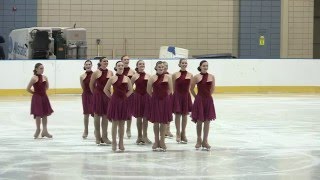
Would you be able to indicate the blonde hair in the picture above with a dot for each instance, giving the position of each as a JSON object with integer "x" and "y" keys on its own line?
{"x": 165, "y": 63}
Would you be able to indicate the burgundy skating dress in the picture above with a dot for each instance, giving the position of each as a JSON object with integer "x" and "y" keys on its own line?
{"x": 118, "y": 107}
{"x": 171, "y": 96}
{"x": 126, "y": 71}
{"x": 140, "y": 96}
{"x": 130, "y": 98}
{"x": 203, "y": 107}
{"x": 100, "y": 99}
{"x": 182, "y": 103}
{"x": 40, "y": 104}
{"x": 160, "y": 104}
{"x": 87, "y": 96}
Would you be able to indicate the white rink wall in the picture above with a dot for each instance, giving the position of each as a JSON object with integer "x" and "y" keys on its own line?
{"x": 15, "y": 74}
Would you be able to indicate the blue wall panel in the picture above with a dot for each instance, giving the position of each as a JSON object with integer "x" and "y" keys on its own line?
{"x": 24, "y": 16}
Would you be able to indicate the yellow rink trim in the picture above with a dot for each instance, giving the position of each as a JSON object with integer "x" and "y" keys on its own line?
{"x": 22, "y": 92}
{"x": 268, "y": 89}
{"x": 219, "y": 89}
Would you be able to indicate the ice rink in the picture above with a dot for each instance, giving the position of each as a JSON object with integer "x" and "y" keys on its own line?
{"x": 255, "y": 136}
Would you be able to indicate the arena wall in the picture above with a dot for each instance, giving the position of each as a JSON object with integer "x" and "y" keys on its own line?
{"x": 232, "y": 76}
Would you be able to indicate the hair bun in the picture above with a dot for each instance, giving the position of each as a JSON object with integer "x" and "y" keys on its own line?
{"x": 199, "y": 69}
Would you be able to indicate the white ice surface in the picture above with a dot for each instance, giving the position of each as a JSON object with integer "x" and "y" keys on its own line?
{"x": 258, "y": 136}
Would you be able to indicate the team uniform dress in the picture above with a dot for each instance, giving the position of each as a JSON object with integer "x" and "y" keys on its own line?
{"x": 126, "y": 71}
{"x": 130, "y": 98}
{"x": 118, "y": 106}
{"x": 40, "y": 104}
{"x": 170, "y": 95}
{"x": 182, "y": 103}
{"x": 203, "y": 106}
{"x": 87, "y": 96}
{"x": 160, "y": 106}
{"x": 100, "y": 99}
{"x": 140, "y": 96}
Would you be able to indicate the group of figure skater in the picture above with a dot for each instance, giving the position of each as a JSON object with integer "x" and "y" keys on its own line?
{"x": 116, "y": 97}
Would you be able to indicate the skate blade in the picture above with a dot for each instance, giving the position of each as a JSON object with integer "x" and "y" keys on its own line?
{"x": 156, "y": 150}
{"x": 206, "y": 149}
{"x": 45, "y": 137}
{"x": 162, "y": 150}
{"x": 102, "y": 144}
{"x": 118, "y": 151}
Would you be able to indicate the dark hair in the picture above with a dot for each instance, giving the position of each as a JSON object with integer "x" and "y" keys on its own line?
{"x": 88, "y": 60}
{"x": 35, "y": 68}
{"x": 115, "y": 68}
{"x": 136, "y": 69}
{"x": 181, "y": 59}
{"x": 100, "y": 59}
{"x": 123, "y": 56}
{"x": 203, "y": 61}
{"x": 159, "y": 62}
